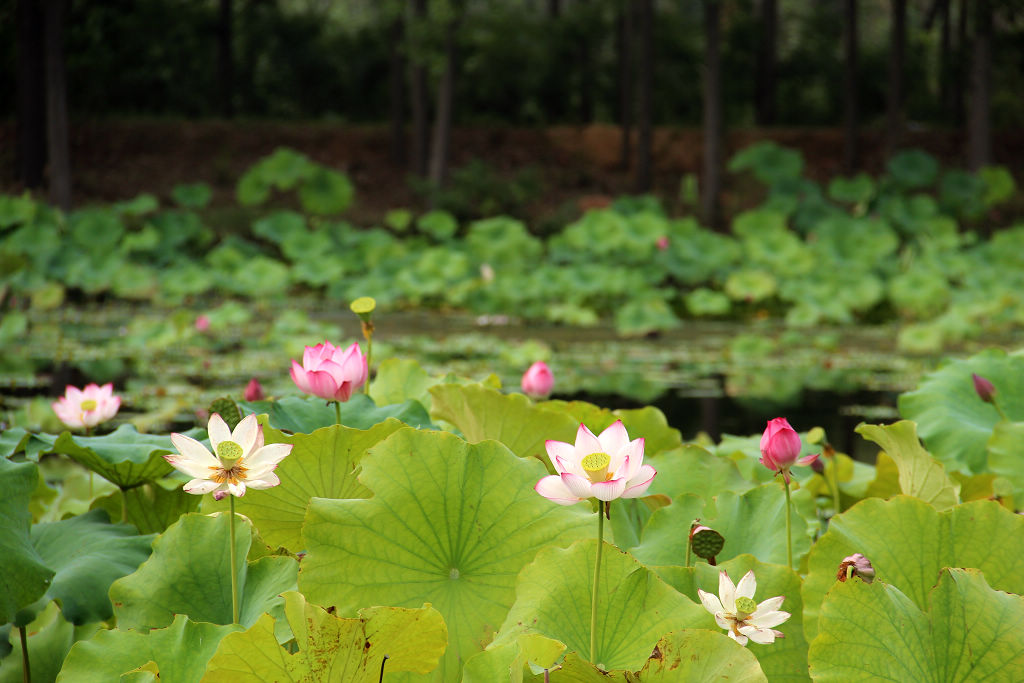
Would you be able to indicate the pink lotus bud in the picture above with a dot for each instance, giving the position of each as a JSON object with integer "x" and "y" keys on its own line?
{"x": 860, "y": 566}
{"x": 202, "y": 323}
{"x": 662, "y": 243}
{"x": 330, "y": 372}
{"x": 253, "y": 391}
{"x": 780, "y": 447}
{"x": 985, "y": 390}
{"x": 538, "y": 380}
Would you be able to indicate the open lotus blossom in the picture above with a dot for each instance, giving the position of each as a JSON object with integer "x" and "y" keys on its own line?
{"x": 240, "y": 459}
{"x": 537, "y": 380}
{"x": 606, "y": 467}
{"x": 780, "y": 448}
{"x": 329, "y": 372}
{"x": 88, "y": 407}
{"x": 735, "y": 610}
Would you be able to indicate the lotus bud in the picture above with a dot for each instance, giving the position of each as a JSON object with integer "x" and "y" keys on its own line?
{"x": 202, "y": 323}
{"x": 537, "y": 380}
{"x": 856, "y": 565}
{"x": 662, "y": 243}
{"x": 818, "y": 466}
{"x": 985, "y": 390}
{"x": 253, "y": 391}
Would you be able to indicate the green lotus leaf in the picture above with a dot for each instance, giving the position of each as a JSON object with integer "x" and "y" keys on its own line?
{"x": 786, "y": 658}
{"x": 332, "y": 649}
{"x": 17, "y": 440}
{"x": 50, "y": 636}
{"x": 325, "y": 191}
{"x": 513, "y": 419}
{"x": 855, "y": 190}
{"x": 151, "y": 507}
{"x": 193, "y": 196}
{"x": 635, "y": 607}
{"x": 644, "y": 313}
{"x": 920, "y": 475}
{"x": 913, "y": 168}
{"x": 699, "y": 655}
{"x": 178, "y": 652}
{"x": 692, "y": 469}
{"x": 401, "y": 379}
{"x": 749, "y": 284}
{"x": 307, "y": 414}
{"x": 952, "y": 421}
{"x": 188, "y": 573}
{"x": 966, "y": 631}
{"x": 25, "y": 577}
{"x": 908, "y": 542}
{"x": 323, "y": 464}
{"x": 507, "y": 662}
{"x": 449, "y": 523}
{"x": 1005, "y": 455}
{"x": 124, "y": 457}
{"x": 703, "y": 301}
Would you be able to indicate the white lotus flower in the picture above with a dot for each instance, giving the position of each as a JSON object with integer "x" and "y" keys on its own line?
{"x": 738, "y": 614}
{"x": 242, "y": 460}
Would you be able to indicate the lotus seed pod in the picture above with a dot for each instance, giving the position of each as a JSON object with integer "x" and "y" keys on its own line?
{"x": 706, "y": 543}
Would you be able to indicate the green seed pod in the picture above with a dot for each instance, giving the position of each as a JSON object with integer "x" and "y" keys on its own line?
{"x": 706, "y": 543}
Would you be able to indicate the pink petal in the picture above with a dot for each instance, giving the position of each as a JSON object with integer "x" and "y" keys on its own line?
{"x": 614, "y": 439}
{"x": 189, "y": 467}
{"x": 552, "y": 488}
{"x": 571, "y": 466}
{"x": 556, "y": 449}
{"x": 638, "y": 485}
{"x": 807, "y": 459}
{"x": 577, "y": 485}
{"x": 300, "y": 378}
{"x": 321, "y": 384}
{"x": 586, "y": 442}
{"x": 608, "y": 490}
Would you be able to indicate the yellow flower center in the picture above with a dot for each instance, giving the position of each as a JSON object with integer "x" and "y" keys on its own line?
{"x": 88, "y": 404}
{"x": 229, "y": 453}
{"x": 745, "y": 607}
{"x": 596, "y": 466}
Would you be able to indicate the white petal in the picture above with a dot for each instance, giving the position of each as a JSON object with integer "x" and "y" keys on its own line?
{"x": 188, "y": 466}
{"x": 608, "y": 490}
{"x": 763, "y": 636}
{"x": 572, "y": 466}
{"x": 586, "y": 443}
{"x": 768, "y": 619}
{"x": 268, "y": 455}
{"x": 769, "y": 605}
{"x": 638, "y": 485}
{"x": 244, "y": 433}
{"x": 633, "y": 458}
{"x": 727, "y": 592}
{"x": 237, "y": 490}
{"x": 265, "y": 482}
{"x": 724, "y": 621}
{"x": 218, "y": 430}
{"x": 747, "y": 585}
{"x": 559, "y": 449}
{"x": 552, "y": 488}
{"x": 614, "y": 440}
{"x": 741, "y": 639}
{"x": 577, "y": 485}
{"x": 710, "y": 601}
{"x": 193, "y": 450}
{"x": 200, "y": 486}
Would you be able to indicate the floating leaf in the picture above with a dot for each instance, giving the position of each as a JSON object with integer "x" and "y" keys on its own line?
{"x": 150, "y": 507}
{"x": 124, "y": 457}
{"x": 306, "y": 415}
{"x": 50, "y": 636}
{"x": 699, "y": 655}
{"x": 692, "y": 469}
{"x": 1006, "y": 455}
{"x": 400, "y": 379}
{"x": 920, "y": 475}
{"x": 508, "y": 661}
{"x": 25, "y": 577}
{"x": 449, "y": 523}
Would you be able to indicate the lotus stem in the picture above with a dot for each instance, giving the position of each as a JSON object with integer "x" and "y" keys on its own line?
{"x": 234, "y": 577}
{"x": 337, "y": 411}
{"x": 124, "y": 505}
{"x": 26, "y": 674}
{"x": 597, "y": 577}
{"x": 995, "y": 404}
{"x": 789, "y": 533}
{"x": 833, "y": 480}
{"x": 369, "y": 357}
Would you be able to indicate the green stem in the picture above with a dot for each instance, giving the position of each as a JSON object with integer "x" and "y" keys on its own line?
{"x": 124, "y": 506}
{"x": 689, "y": 542}
{"x": 999, "y": 410}
{"x": 26, "y": 675}
{"x": 234, "y": 578}
{"x": 369, "y": 360}
{"x": 789, "y": 535}
{"x": 833, "y": 480}
{"x": 337, "y": 411}
{"x": 597, "y": 577}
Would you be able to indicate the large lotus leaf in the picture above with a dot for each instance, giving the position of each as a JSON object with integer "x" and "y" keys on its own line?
{"x": 647, "y": 422}
{"x": 189, "y": 573}
{"x": 307, "y": 414}
{"x": 150, "y": 507}
{"x": 665, "y": 536}
{"x": 1006, "y": 455}
{"x": 17, "y": 440}
{"x": 401, "y": 379}
{"x": 699, "y": 655}
{"x": 323, "y": 464}
{"x": 969, "y": 632}
{"x": 88, "y": 553}
{"x": 179, "y": 652}
{"x": 692, "y": 469}
{"x": 920, "y": 475}
{"x": 786, "y": 658}
{"x": 634, "y": 609}
{"x": 123, "y": 457}
{"x": 513, "y": 419}
{"x": 50, "y": 636}
{"x": 25, "y": 576}
{"x": 330, "y": 649}
{"x": 508, "y": 661}
{"x": 953, "y": 422}
{"x": 325, "y": 191}
{"x": 909, "y": 542}
{"x": 449, "y": 523}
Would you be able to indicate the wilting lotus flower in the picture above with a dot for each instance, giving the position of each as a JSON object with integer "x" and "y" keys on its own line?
{"x": 738, "y": 614}
{"x": 780, "y": 448}
{"x": 856, "y": 565}
{"x": 329, "y": 372}
{"x": 538, "y": 380}
{"x": 240, "y": 460}
{"x": 79, "y": 408}
{"x": 605, "y": 467}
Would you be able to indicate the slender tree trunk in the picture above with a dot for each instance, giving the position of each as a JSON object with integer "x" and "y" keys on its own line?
{"x": 946, "y": 61}
{"x": 226, "y": 58}
{"x": 554, "y": 8}
{"x": 397, "y": 146}
{"x": 57, "y": 106}
{"x": 711, "y": 183}
{"x": 418, "y": 101}
{"x": 625, "y": 22}
{"x": 851, "y": 114}
{"x": 979, "y": 130}
{"x": 30, "y": 152}
{"x": 585, "y": 59}
{"x": 959, "y": 86}
{"x": 764, "y": 86}
{"x": 645, "y": 139}
{"x": 441, "y": 143}
{"x": 895, "y": 114}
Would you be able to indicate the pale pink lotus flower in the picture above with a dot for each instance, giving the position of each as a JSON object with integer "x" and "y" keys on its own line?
{"x": 734, "y": 610}
{"x": 780, "y": 448}
{"x": 202, "y": 323}
{"x": 86, "y": 408}
{"x": 537, "y": 380}
{"x": 606, "y": 467}
{"x": 329, "y": 372}
{"x": 239, "y": 461}
{"x": 253, "y": 391}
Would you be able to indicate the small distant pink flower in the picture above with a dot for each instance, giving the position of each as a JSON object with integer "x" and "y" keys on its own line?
{"x": 87, "y": 407}
{"x": 329, "y": 372}
{"x": 253, "y": 391}
{"x": 985, "y": 389}
{"x": 537, "y": 380}
{"x": 662, "y": 243}
{"x": 203, "y": 323}
{"x": 780, "y": 448}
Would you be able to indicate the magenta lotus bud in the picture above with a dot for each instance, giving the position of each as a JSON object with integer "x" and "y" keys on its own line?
{"x": 253, "y": 391}
{"x": 662, "y": 243}
{"x": 856, "y": 565}
{"x": 202, "y": 323}
{"x": 330, "y": 372}
{"x": 538, "y": 380}
{"x": 986, "y": 391}
{"x": 780, "y": 447}
{"x": 818, "y": 466}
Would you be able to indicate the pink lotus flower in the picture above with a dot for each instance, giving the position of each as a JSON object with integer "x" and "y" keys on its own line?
{"x": 606, "y": 467}
{"x": 240, "y": 460}
{"x": 87, "y": 407}
{"x": 202, "y": 323}
{"x": 780, "y": 448}
{"x": 538, "y": 380}
{"x": 329, "y": 372}
{"x": 662, "y": 243}
{"x": 253, "y": 391}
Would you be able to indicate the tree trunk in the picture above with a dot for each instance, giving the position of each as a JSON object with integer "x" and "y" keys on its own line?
{"x": 57, "y": 106}
{"x": 764, "y": 86}
{"x": 851, "y": 115}
{"x": 711, "y": 183}
{"x": 645, "y": 142}
{"x": 585, "y": 59}
{"x": 441, "y": 143}
{"x": 625, "y": 22}
{"x": 946, "y": 100}
{"x": 554, "y": 8}
{"x": 979, "y": 125}
{"x": 895, "y": 115}
{"x": 959, "y": 87}
{"x": 226, "y": 59}
{"x": 30, "y": 151}
{"x": 396, "y": 101}
{"x": 418, "y": 101}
